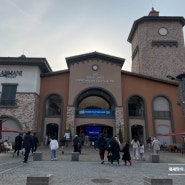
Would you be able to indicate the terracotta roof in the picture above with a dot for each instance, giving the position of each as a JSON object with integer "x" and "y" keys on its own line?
{"x": 149, "y": 78}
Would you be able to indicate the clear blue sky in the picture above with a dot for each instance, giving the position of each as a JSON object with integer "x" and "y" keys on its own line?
{"x": 56, "y": 29}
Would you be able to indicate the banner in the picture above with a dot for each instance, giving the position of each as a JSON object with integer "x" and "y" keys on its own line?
{"x": 95, "y": 112}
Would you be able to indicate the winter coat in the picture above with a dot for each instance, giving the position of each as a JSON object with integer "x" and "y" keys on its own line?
{"x": 18, "y": 142}
{"x": 126, "y": 153}
{"x": 115, "y": 149}
{"x": 53, "y": 144}
{"x": 102, "y": 144}
{"x": 156, "y": 144}
{"x": 28, "y": 141}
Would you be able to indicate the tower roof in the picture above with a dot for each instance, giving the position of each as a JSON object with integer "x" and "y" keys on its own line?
{"x": 153, "y": 17}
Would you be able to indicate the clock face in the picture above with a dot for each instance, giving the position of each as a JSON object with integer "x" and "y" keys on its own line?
{"x": 163, "y": 31}
{"x": 95, "y": 67}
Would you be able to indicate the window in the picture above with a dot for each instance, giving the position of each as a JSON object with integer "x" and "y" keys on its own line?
{"x": 136, "y": 106}
{"x": 8, "y": 94}
{"x": 53, "y": 105}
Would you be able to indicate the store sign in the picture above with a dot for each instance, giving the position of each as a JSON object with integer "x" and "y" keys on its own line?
{"x": 95, "y": 112}
{"x": 95, "y": 78}
{"x": 10, "y": 74}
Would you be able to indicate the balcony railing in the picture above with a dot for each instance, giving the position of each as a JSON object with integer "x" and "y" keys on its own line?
{"x": 137, "y": 113}
{"x": 161, "y": 114}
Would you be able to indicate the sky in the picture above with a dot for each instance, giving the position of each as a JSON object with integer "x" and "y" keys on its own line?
{"x": 56, "y": 29}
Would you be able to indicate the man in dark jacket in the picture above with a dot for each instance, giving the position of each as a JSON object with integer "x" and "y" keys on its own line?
{"x": 27, "y": 145}
{"x": 18, "y": 144}
{"x": 102, "y": 145}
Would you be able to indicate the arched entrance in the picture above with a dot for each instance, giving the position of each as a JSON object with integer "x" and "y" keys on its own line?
{"x": 137, "y": 130}
{"x": 90, "y": 133}
{"x": 52, "y": 130}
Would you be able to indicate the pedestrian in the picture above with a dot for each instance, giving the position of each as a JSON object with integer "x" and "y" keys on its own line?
{"x": 63, "y": 143}
{"x": 27, "y": 145}
{"x": 126, "y": 154}
{"x": 135, "y": 145}
{"x": 7, "y": 145}
{"x": 53, "y": 146}
{"x": 76, "y": 143}
{"x": 149, "y": 141}
{"x": 18, "y": 144}
{"x": 156, "y": 145}
{"x": 102, "y": 145}
{"x": 141, "y": 151}
{"x": 115, "y": 149}
{"x": 35, "y": 142}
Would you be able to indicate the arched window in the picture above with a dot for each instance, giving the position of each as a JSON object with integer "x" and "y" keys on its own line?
{"x": 135, "y": 106}
{"x": 53, "y": 105}
{"x": 161, "y": 108}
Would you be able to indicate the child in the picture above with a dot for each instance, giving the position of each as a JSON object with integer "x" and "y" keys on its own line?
{"x": 54, "y": 146}
{"x": 141, "y": 151}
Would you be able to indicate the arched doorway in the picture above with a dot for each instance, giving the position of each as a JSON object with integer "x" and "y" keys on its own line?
{"x": 137, "y": 130}
{"x": 90, "y": 133}
{"x": 52, "y": 130}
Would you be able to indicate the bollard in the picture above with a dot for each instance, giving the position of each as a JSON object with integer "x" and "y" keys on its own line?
{"x": 75, "y": 156}
{"x": 157, "y": 181}
{"x": 40, "y": 180}
{"x": 154, "y": 158}
{"x": 37, "y": 156}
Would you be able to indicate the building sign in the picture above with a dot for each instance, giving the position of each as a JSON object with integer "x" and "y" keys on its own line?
{"x": 95, "y": 112}
{"x": 94, "y": 78}
{"x": 10, "y": 74}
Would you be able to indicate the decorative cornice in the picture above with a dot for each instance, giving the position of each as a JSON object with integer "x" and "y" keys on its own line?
{"x": 94, "y": 55}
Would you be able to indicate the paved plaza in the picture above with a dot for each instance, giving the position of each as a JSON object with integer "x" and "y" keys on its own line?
{"x": 88, "y": 170}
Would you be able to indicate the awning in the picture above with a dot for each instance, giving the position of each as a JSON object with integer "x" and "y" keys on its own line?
{"x": 5, "y": 129}
{"x": 171, "y": 134}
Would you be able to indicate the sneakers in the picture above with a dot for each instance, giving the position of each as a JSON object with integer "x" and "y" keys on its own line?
{"x": 102, "y": 162}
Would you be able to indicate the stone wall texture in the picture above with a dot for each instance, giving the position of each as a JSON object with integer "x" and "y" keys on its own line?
{"x": 25, "y": 111}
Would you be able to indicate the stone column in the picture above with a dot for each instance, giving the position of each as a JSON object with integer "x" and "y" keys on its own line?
{"x": 119, "y": 120}
{"x": 70, "y": 119}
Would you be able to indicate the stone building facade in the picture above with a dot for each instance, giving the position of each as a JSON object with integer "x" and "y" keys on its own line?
{"x": 94, "y": 95}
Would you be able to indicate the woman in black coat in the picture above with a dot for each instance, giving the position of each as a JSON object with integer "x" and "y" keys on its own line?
{"x": 126, "y": 154}
{"x": 115, "y": 149}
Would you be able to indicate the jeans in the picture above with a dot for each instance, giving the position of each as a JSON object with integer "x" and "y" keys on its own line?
{"x": 53, "y": 154}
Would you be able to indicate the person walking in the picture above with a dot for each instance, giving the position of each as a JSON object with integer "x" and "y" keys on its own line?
{"x": 63, "y": 143}
{"x": 156, "y": 145}
{"x": 115, "y": 148}
{"x": 141, "y": 151}
{"x": 27, "y": 145}
{"x": 18, "y": 144}
{"x": 149, "y": 141}
{"x": 76, "y": 143}
{"x": 35, "y": 142}
{"x": 126, "y": 154}
{"x": 135, "y": 145}
{"x": 102, "y": 145}
{"x": 53, "y": 146}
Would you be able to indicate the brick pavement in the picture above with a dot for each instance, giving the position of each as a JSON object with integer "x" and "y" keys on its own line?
{"x": 88, "y": 169}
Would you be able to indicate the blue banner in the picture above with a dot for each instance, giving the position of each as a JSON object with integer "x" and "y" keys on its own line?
{"x": 95, "y": 112}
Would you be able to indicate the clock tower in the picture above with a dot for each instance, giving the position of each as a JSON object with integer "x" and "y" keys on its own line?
{"x": 158, "y": 45}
